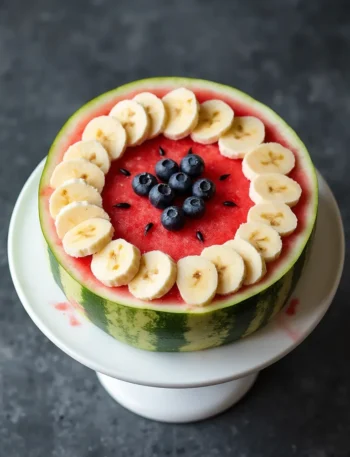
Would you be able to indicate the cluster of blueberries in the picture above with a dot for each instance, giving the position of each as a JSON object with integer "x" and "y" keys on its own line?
{"x": 176, "y": 181}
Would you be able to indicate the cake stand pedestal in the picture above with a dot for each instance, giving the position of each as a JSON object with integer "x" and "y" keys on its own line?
{"x": 172, "y": 387}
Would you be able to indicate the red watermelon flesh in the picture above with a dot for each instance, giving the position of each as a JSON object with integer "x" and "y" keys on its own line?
{"x": 219, "y": 223}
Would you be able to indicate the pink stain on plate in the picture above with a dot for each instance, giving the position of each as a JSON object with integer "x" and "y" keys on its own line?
{"x": 63, "y": 306}
{"x": 290, "y": 311}
{"x": 292, "y": 307}
{"x": 67, "y": 308}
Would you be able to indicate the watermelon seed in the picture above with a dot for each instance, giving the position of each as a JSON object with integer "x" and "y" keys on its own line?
{"x": 122, "y": 205}
{"x": 229, "y": 203}
{"x": 223, "y": 177}
{"x": 125, "y": 172}
{"x": 200, "y": 236}
{"x": 148, "y": 227}
{"x": 190, "y": 151}
{"x": 161, "y": 151}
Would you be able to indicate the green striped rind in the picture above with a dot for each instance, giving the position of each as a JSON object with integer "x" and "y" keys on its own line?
{"x": 163, "y": 331}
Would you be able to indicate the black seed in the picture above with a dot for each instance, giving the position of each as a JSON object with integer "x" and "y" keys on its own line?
{"x": 229, "y": 203}
{"x": 190, "y": 151}
{"x": 200, "y": 236}
{"x": 161, "y": 151}
{"x": 125, "y": 172}
{"x": 148, "y": 227}
{"x": 223, "y": 177}
{"x": 122, "y": 205}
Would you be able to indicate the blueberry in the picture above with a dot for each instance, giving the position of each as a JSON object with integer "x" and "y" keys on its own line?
{"x": 161, "y": 196}
{"x": 192, "y": 165}
{"x": 194, "y": 207}
{"x": 143, "y": 183}
{"x": 165, "y": 168}
{"x": 204, "y": 188}
{"x": 173, "y": 218}
{"x": 180, "y": 183}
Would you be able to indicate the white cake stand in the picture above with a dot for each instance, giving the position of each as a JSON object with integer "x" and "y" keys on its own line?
{"x": 172, "y": 387}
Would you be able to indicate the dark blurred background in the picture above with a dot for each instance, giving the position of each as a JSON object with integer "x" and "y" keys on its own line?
{"x": 55, "y": 55}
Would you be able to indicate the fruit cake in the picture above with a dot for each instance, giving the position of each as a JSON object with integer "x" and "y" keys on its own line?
{"x": 177, "y": 213}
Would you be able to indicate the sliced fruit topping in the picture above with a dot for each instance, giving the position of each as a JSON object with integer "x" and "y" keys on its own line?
{"x": 192, "y": 165}
{"x": 134, "y": 119}
{"x": 180, "y": 183}
{"x": 276, "y": 188}
{"x": 116, "y": 264}
{"x": 245, "y": 134}
{"x": 161, "y": 196}
{"x": 143, "y": 183}
{"x": 91, "y": 150}
{"x": 194, "y": 207}
{"x": 182, "y": 113}
{"x": 229, "y": 265}
{"x": 173, "y": 218}
{"x": 278, "y": 215}
{"x": 156, "y": 276}
{"x": 254, "y": 263}
{"x": 165, "y": 168}
{"x": 76, "y": 212}
{"x": 155, "y": 110}
{"x": 74, "y": 190}
{"x": 78, "y": 169}
{"x": 109, "y": 132}
{"x": 197, "y": 280}
{"x": 215, "y": 118}
{"x": 204, "y": 188}
{"x": 268, "y": 158}
{"x": 88, "y": 237}
{"x": 263, "y": 237}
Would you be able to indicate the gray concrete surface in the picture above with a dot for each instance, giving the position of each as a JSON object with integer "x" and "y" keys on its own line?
{"x": 54, "y": 56}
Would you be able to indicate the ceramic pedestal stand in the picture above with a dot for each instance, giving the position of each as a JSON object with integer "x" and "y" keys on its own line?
{"x": 179, "y": 387}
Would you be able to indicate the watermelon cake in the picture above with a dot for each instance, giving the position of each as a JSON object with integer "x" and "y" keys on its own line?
{"x": 177, "y": 213}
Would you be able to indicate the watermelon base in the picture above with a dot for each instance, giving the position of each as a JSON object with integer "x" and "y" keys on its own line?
{"x": 163, "y": 331}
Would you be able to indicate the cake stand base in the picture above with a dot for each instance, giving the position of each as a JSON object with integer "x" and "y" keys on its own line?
{"x": 177, "y": 405}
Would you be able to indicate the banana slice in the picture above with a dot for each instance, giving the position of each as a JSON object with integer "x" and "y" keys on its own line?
{"x": 134, "y": 119}
{"x": 88, "y": 237}
{"x": 74, "y": 190}
{"x": 246, "y": 133}
{"x": 254, "y": 264}
{"x": 116, "y": 264}
{"x": 215, "y": 118}
{"x": 182, "y": 111}
{"x": 109, "y": 132}
{"x": 93, "y": 151}
{"x": 197, "y": 280}
{"x": 275, "y": 188}
{"x": 268, "y": 158}
{"x": 263, "y": 237}
{"x": 156, "y": 276}
{"x": 76, "y": 212}
{"x": 229, "y": 265}
{"x": 156, "y": 112}
{"x": 78, "y": 169}
{"x": 278, "y": 215}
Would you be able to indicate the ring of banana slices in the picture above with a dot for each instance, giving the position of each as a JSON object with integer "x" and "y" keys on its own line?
{"x": 86, "y": 230}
